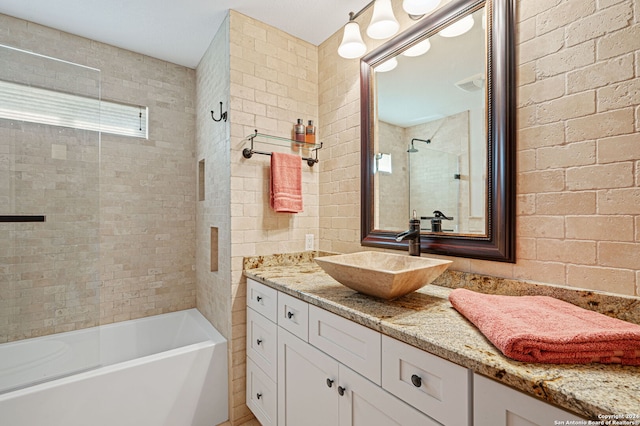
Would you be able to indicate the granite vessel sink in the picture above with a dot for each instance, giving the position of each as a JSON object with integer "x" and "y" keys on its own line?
{"x": 384, "y": 275}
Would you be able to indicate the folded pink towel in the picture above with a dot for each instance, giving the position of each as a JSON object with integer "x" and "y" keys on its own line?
{"x": 286, "y": 183}
{"x": 548, "y": 330}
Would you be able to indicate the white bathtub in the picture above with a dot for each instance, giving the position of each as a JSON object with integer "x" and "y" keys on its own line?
{"x": 165, "y": 370}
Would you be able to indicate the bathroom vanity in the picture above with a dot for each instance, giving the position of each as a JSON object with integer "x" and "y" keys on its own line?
{"x": 320, "y": 353}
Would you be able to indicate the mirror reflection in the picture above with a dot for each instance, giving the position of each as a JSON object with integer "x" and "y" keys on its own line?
{"x": 430, "y": 136}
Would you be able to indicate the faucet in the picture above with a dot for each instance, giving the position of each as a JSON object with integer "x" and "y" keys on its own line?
{"x": 413, "y": 235}
{"x": 436, "y": 221}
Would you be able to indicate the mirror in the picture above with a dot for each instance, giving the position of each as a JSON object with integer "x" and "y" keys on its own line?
{"x": 438, "y": 134}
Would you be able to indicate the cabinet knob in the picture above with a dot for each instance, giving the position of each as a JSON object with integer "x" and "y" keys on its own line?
{"x": 329, "y": 382}
{"x": 289, "y": 314}
{"x": 258, "y": 395}
{"x": 416, "y": 380}
{"x": 259, "y": 341}
{"x": 341, "y": 390}
{"x": 258, "y": 298}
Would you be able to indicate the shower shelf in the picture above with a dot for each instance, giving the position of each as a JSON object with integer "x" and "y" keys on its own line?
{"x": 277, "y": 140}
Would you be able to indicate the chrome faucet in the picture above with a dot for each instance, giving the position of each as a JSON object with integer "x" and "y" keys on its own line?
{"x": 413, "y": 235}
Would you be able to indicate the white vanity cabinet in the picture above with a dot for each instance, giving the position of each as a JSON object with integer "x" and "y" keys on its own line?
{"x": 308, "y": 366}
{"x": 262, "y": 352}
{"x": 316, "y": 390}
{"x": 498, "y": 405}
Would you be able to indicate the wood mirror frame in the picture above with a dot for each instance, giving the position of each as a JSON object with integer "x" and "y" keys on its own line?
{"x": 498, "y": 244}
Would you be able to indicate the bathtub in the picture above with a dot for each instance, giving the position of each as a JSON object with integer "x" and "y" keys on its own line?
{"x": 165, "y": 370}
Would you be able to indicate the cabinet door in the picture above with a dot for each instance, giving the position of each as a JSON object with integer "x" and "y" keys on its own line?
{"x": 498, "y": 405}
{"x": 307, "y": 384}
{"x": 261, "y": 342}
{"x": 261, "y": 395}
{"x": 365, "y": 404}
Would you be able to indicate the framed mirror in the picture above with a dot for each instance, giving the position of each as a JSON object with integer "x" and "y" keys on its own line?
{"x": 438, "y": 133}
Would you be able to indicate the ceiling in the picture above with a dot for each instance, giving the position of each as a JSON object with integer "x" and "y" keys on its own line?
{"x": 179, "y": 31}
{"x": 425, "y": 88}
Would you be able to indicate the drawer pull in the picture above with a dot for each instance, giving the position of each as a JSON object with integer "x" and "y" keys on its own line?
{"x": 416, "y": 380}
{"x": 258, "y": 395}
{"x": 341, "y": 390}
{"x": 289, "y": 314}
{"x": 259, "y": 341}
{"x": 258, "y": 298}
{"x": 329, "y": 382}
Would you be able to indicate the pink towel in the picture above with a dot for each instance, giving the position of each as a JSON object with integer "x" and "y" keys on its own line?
{"x": 286, "y": 183}
{"x": 548, "y": 330}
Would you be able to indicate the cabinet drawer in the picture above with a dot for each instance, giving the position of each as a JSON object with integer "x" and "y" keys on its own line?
{"x": 262, "y": 299}
{"x": 262, "y": 345}
{"x": 293, "y": 316}
{"x": 261, "y": 395}
{"x": 435, "y": 386}
{"x": 356, "y": 346}
{"x": 496, "y": 404}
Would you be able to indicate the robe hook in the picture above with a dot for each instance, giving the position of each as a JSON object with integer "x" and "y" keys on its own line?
{"x": 223, "y": 115}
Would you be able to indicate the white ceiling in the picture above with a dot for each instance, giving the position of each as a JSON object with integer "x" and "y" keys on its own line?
{"x": 179, "y": 31}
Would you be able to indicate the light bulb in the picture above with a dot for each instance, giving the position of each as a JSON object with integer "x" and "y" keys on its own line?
{"x": 458, "y": 28}
{"x": 419, "y": 7}
{"x": 383, "y": 23}
{"x": 352, "y": 45}
{"x": 387, "y": 65}
{"x": 419, "y": 49}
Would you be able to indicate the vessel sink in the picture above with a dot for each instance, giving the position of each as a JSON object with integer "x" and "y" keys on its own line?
{"x": 384, "y": 275}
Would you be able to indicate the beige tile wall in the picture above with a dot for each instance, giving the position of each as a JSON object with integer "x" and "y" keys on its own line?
{"x": 214, "y": 287}
{"x": 577, "y": 140}
{"x": 147, "y": 187}
{"x": 274, "y": 81}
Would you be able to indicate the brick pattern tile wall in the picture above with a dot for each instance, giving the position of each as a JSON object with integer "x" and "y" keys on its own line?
{"x": 274, "y": 81}
{"x": 578, "y": 143}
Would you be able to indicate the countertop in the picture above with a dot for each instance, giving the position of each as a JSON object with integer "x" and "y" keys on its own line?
{"x": 425, "y": 319}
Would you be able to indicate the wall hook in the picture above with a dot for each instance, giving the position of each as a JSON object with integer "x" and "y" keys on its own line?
{"x": 223, "y": 115}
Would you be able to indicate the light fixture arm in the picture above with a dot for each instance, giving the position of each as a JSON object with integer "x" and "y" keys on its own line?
{"x": 353, "y": 16}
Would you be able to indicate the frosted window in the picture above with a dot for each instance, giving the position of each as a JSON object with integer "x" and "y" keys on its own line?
{"x": 26, "y": 103}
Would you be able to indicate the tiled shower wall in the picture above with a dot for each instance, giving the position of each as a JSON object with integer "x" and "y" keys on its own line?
{"x": 578, "y": 186}
{"x": 147, "y": 187}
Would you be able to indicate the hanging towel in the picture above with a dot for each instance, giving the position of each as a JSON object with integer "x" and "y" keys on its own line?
{"x": 286, "y": 183}
{"x": 548, "y": 330}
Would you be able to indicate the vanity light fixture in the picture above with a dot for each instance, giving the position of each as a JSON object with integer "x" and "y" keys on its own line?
{"x": 383, "y": 25}
{"x": 458, "y": 28}
{"x": 419, "y": 49}
{"x": 383, "y": 22}
{"x": 418, "y": 8}
{"x": 387, "y": 65}
{"x": 352, "y": 45}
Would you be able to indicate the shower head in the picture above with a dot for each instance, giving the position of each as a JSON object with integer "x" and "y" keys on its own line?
{"x": 412, "y": 148}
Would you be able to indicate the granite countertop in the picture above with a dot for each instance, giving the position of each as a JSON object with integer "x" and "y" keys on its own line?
{"x": 425, "y": 319}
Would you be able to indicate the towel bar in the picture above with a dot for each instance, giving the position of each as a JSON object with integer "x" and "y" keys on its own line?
{"x": 248, "y": 152}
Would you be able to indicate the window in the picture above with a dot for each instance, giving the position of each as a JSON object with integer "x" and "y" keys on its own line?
{"x": 26, "y": 103}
